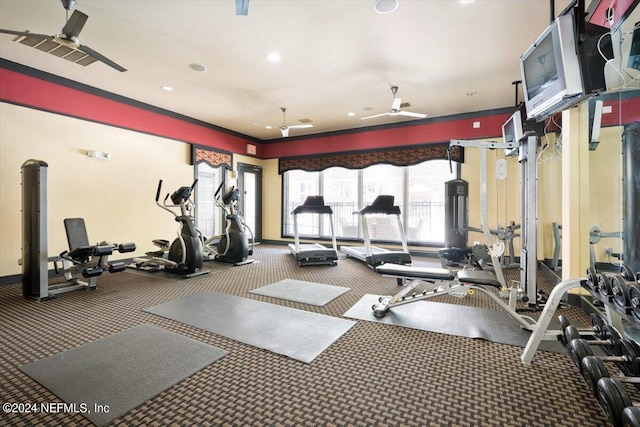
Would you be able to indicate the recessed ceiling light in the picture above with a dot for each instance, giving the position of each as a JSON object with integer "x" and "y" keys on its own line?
{"x": 197, "y": 67}
{"x": 167, "y": 88}
{"x": 351, "y": 114}
{"x": 268, "y": 127}
{"x": 273, "y": 57}
{"x": 385, "y": 6}
{"x": 466, "y": 1}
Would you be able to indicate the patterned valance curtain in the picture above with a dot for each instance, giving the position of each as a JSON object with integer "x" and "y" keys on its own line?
{"x": 398, "y": 156}
{"x": 211, "y": 156}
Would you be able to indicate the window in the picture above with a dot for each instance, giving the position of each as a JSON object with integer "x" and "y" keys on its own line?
{"x": 418, "y": 190}
{"x": 340, "y": 190}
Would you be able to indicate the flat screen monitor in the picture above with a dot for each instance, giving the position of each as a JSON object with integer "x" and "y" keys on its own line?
{"x": 512, "y": 129}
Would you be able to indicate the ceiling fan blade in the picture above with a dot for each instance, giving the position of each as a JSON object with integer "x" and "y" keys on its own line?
{"x": 101, "y": 58}
{"x": 374, "y": 116}
{"x": 285, "y": 131}
{"x": 410, "y": 114}
{"x": 242, "y": 7}
{"x": 396, "y": 103}
{"x": 74, "y": 25}
{"x": 300, "y": 126}
{"x": 24, "y": 34}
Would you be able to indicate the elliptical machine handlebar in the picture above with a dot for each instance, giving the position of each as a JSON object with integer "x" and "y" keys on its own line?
{"x": 158, "y": 191}
{"x": 218, "y": 190}
{"x": 179, "y": 199}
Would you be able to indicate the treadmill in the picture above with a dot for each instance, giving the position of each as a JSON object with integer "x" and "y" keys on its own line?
{"x": 372, "y": 255}
{"x": 313, "y": 253}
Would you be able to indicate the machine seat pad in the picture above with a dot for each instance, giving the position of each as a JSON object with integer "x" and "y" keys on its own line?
{"x": 413, "y": 272}
{"x": 479, "y": 277}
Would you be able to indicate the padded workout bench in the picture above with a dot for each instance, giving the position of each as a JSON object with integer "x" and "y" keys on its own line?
{"x": 459, "y": 284}
{"x": 462, "y": 284}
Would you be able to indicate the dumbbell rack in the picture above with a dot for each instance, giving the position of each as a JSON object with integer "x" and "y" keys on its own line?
{"x": 621, "y": 301}
{"x": 619, "y": 294}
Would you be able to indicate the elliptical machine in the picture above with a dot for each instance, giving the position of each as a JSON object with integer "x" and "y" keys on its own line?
{"x": 184, "y": 256}
{"x": 236, "y": 244}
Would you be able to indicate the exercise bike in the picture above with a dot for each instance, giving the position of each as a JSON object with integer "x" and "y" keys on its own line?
{"x": 184, "y": 256}
{"x": 236, "y": 244}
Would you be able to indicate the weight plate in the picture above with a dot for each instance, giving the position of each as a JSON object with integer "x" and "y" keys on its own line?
{"x": 634, "y": 301}
{"x": 578, "y": 349}
{"x": 613, "y": 398}
{"x": 627, "y": 273}
{"x": 631, "y": 416}
{"x": 598, "y": 323}
{"x": 614, "y": 337}
{"x": 571, "y": 333}
{"x": 604, "y": 286}
{"x": 592, "y": 279}
{"x": 593, "y": 369}
{"x": 620, "y": 290}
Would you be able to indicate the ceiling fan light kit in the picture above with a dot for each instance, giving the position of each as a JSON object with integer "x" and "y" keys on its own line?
{"x": 395, "y": 109}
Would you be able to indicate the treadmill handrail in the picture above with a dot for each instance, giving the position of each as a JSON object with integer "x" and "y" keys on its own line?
{"x": 370, "y": 210}
{"x": 302, "y": 209}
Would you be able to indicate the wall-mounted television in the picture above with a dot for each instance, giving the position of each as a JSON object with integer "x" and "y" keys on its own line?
{"x": 512, "y": 130}
{"x": 563, "y": 66}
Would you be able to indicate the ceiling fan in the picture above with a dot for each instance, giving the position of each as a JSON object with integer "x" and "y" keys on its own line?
{"x": 395, "y": 109}
{"x": 285, "y": 129}
{"x": 65, "y": 45}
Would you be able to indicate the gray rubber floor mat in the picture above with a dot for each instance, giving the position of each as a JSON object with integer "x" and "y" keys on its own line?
{"x": 298, "y": 334}
{"x": 107, "y": 378}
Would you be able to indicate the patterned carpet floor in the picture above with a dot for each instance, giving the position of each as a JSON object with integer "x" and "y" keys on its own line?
{"x": 375, "y": 375}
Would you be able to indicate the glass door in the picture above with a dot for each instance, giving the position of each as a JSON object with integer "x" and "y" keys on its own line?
{"x": 250, "y": 203}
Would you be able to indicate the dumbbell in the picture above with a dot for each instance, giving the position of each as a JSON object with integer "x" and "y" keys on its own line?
{"x": 625, "y": 352}
{"x": 616, "y": 403}
{"x": 597, "y": 328}
{"x": 609, "y": 390}
{"x": 609, "y": 338}
{"x": 593, "y": 368}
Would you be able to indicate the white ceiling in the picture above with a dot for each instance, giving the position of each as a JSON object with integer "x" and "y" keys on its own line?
{"x": 337, "y": 56}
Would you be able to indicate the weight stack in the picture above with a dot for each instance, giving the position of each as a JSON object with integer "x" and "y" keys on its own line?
{"x": 35, "y": 275}
{"x": 631, "y": 195}
{"x": 456, "y": 214}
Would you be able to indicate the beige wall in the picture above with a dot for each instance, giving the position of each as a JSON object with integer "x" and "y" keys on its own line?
{"x": 503, "y": 195}
{"x": 605, "y": 183}
{"x": 116, "y": 196}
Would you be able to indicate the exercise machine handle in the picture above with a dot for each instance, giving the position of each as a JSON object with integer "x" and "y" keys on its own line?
{"x": 194, "y": 184}
{"x": 218, "y": 190}
{"x": 158, "y": 191}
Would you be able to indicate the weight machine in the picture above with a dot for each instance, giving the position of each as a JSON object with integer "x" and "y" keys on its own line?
{"x": 528, "y": 168}
{"x": 82, "y": 257}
